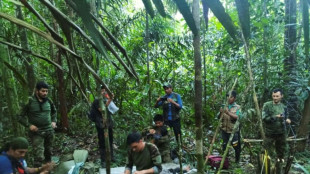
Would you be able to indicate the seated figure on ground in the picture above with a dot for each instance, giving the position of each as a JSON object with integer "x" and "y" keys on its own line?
{"x": 158, "y": 134}
{"x": 145, "y": 156}
{"x": 12, "y": 159}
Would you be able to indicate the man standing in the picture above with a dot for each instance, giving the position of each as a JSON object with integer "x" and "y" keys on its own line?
{"x": 97, "y": 112}
{"x": 172, "y": 104}
{"x": 274, "y": 118}
{"x": 145, "y": 156}
{"x": 39, "y": 116}
{"x": 230, "y": 115}
{"x": 12, "y": 158}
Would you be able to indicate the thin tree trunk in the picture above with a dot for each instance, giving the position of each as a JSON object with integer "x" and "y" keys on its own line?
{"x": 11, "y": 93}
{"x": 303, "y": 128}
{"x": 62, "y": 95}
{"x": 204, "y": 74}
{"x": 290, "y": 60}
{"x": 61, "y": 87}
{"x": 305, "y": 19}
{"x": 198, "y": 90}
{"x": 236, "y": 126}
{"x": 252, "y": 82}
{"x": 31, "y": 79}
{"x": 147, "y": 40}
{"x": 266, "y": 56}
{"x": 106, "y": 133}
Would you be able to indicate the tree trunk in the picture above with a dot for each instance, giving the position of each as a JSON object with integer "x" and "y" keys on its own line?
{"x": 303, "y": 129}
{"x": 265, "y": 95}
{"x": 205, "y": 15}
{"x": 62, "y": 95}
{"x": 31, "y": 79}
{"x": 305, "y": 19}
{"x": 147, "y": 40}
{"x": 290, "y": 61}
{"x": 243, "y": 13}
{"x": 252, "y": 82}
{"x": 10, "y": 92}
{"x": 61, "y": 87}
{"x": 106, "y": 133}
{"x": 198, "y": 89}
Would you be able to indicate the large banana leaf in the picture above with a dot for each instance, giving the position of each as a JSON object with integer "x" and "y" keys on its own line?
{"x": 50, "y": 29}
{"x": 83, "y": 10}
{"x": 117, "y": 44}
{"x": 17, "y": 75}
{"x": 219, "y": 11}
{"x": 160, "y": 7}
{"x": 187, "y": 14}
{"x": 244, "y": 17}
{"x": 34, "y": 54}
{"x": 205, "y": 10}
{"x": 36, "y": 30}
{"x": 148, "y": 7}
{"x": 67, "y": 20}
{"x": 50, "y": 39}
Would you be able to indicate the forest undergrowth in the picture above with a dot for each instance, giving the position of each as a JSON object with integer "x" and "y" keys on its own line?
{"x": 84, "y": 136}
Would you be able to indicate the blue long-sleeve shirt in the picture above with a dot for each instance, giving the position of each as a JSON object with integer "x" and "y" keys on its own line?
{"x": 179, "y": 101}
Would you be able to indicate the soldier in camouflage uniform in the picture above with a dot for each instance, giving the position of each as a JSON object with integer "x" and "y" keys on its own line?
{"x": 230, "y": 115}
{"x": 145, "y": 156}
{"x": 274, "y": 118}
{"x": 39, "y": 117}
{"x": 159, "y": 136}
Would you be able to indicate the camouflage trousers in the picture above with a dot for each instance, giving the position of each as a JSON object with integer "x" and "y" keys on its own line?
{"x": 41, "y": 146}
{"x": 278, "y": 142}
{"x": 165, "y": 157}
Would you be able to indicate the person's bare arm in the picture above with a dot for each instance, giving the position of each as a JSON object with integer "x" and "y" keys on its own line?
{"x": 45, "y": 168}
{"x": 151, "y": 170}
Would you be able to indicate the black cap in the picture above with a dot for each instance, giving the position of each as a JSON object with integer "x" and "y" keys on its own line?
{"x": 167, "y": 85}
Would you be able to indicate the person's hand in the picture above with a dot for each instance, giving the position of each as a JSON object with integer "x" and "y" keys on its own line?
{"x": 158, "y": 99}
{"x": 33, "y": 128}
{"x": 47, "y": 167}
{"x": 54, "y": 125}
{"x": 279, "y": 116}
{"x": 152, "y": 131}
{"x": 139, "y": 172}
{"x": 170, "y": 100}
{"x": 226, "y": 111}
{"x": 288, "y": 121}
{"x": 222, "y": 110}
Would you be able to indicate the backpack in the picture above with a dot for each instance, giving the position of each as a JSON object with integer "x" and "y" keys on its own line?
{"x": 91, "y": 114}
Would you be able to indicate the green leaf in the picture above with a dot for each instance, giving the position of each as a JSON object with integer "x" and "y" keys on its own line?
{"x": 148, "y": 7}
{"x": 219, "y": 11}
{"x": 187, "y": 15}
{"x": 160, "y": 7}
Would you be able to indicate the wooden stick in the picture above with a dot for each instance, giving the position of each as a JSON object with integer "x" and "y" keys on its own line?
{"x": 260, "y": 140}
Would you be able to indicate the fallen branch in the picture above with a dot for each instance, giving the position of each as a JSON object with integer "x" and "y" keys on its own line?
{"x": 260, "y": 140}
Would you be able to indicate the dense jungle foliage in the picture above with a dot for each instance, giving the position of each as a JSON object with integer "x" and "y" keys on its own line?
{"x": 134, "y": 46}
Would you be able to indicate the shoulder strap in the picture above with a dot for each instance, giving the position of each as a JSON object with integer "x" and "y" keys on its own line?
{"x": 175, "y": 95}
